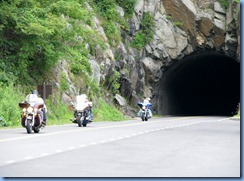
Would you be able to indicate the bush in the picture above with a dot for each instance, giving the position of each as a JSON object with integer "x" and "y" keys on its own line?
{"x": 112, "y": 32}
{"x": 145, "y": 35}
{"x": 139, "y": 41}
{"x": 113, "y": 82}
{"x": 10, "y": 111}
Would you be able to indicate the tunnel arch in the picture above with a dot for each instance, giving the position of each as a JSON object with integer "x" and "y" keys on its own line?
{"x": 205, "y": 83}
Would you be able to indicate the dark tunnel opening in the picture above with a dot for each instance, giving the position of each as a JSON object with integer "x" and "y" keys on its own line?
{"x": 201, "y": 84}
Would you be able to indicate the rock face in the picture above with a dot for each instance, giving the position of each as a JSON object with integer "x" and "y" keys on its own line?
{"x": 182, "y": 28}
{"x": 204, "y": 25}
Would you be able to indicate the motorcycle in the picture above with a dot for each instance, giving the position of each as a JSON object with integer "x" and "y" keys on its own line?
{"x": 145, "y": 111}
{"x": 30, "y": 118}
{"x": 82, "y": 113}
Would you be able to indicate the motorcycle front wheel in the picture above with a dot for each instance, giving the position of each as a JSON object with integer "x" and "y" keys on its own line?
{"x": 146, "y": 117}
{"x": 143, "y": 117}
{"x": 28, "y": 126}
{"x": 80, "y": 120}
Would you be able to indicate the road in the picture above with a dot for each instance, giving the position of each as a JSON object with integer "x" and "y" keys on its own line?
{"x": 161, "y": 147}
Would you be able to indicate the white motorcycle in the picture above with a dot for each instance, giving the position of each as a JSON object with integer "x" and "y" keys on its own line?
{"x": 145, "y": 112}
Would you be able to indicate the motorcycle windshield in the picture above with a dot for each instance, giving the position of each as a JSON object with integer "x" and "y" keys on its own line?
{"x": 82, "y": 103}
{"x": 34, "y": 100}
{"x": 80, "y": 106}
{"x": 147, "y": 105}
{"x": 31, "y": 99}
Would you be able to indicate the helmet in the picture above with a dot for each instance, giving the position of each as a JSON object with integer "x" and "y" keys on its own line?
{"x": 148, "y": 99}
{"x": 35, "y": 92}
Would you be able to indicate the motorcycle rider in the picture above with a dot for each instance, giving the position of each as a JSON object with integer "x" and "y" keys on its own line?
{"x": 34, "y": 99}
{"x": 147, "y": 101}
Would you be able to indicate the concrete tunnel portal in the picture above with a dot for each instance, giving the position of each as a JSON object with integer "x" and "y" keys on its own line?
{"x": 200, "y": 84}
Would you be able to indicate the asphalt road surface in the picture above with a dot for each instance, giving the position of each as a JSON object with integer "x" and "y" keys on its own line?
{"x": 161, "y": 147}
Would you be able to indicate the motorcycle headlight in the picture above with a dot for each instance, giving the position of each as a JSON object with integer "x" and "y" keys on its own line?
{"x": 30, "y": 109}
{"x": 35, "y": 109}
{"x": 143, "y": 107}
{"x": 24, "y": 110}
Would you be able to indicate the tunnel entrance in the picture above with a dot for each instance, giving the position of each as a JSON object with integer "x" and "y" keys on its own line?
{"x": 200, "y": 84}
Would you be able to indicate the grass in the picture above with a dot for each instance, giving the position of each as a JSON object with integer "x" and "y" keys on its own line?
{"x": 106, "y": 112}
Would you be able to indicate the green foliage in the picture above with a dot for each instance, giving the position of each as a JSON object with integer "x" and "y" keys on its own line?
{"x": 58, "y": 112}
{"x": 113, "y": 82}
{"x": 6, "y": 79}
{"x": 169, "y": 17}
{"x": 28, "y": 43}
{"x": 178, "y": 23}
{"x": 145, "y": 35}
{"x": 107, "y": 9}
{"x": 93, "y": 90}
{"x": 80, "y": 65}
{"x": 35, "y": 35}
{"x": 102, "y": 111}
{"x": 112, "y": 32}
{"x": 224, "y": 3}
{"x": 112, "y": 21}
{"x": 128, "y": 6}
{"x": 139, "y": 40}
{"x": 63, "y": 83}
{"x": 9, "y": 107}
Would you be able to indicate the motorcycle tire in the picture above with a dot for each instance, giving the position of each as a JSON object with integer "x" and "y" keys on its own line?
{"x": 143, "y": 117}
{"x": 36, "y": 130}
{"x": 28, "y": 126}
{"x": 79, "y": 120}
{"x": 146, "y": 117}
{"x": 84, "y": 123}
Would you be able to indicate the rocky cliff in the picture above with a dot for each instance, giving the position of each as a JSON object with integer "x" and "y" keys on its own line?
{"x": 182, "y": 28}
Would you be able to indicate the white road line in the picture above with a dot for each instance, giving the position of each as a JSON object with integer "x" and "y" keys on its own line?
{"x": 58, "y": 151}
{"x": 119, "y": 138}
{"x": 28, "y": 157}
{"x": 44, "y": 154}
{"x": 93, "y": 143}
{"x": 71, "y": 148}
{"x": 81, "y": 146}
{"x": 10, "y": 161}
